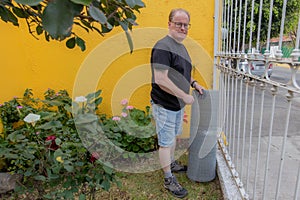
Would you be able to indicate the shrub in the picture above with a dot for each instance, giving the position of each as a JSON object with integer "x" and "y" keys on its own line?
{"x": 40, "y": 141}
{"x": 132, "y": 131}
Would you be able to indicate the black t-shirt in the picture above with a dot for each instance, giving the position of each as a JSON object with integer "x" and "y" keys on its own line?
{"x": 167, "y": 54}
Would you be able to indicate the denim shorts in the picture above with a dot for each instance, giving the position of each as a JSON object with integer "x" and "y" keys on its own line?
{"x": 168, "y": 124}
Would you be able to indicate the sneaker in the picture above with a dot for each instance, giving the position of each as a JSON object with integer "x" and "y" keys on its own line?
{"x": 176, "y": 167}
{"x": 174, "y": 187}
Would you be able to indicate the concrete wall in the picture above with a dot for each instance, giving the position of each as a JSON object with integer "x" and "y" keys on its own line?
{"x": 106, "y": 64}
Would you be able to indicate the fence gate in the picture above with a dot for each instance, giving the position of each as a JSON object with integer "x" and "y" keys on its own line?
{"x": 259, "y": 95}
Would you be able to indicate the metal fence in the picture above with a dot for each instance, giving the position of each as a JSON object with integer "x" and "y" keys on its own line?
{"x": 259, "y": 116}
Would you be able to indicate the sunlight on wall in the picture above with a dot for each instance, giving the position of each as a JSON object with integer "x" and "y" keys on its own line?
{"x": 39, "y": 65}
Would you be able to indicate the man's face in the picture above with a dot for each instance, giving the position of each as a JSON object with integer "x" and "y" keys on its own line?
{"x": 178, "y": 27}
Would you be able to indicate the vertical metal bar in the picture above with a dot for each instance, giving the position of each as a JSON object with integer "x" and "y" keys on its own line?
{"x": 231, "y": 116}
{"x": 270, "y": 25}
{"x": 239, "y": 123}
{"x": 224, "y": 99}
{"x": 216, "y": 42}
{"x": 228, "y": 31}
{"x": 282, "y": 24}
{"x": 259, "y": 25}
{"x": 227, "y": 107}
{"x": 234, "y": 118}
{"x": 239, "y": 31}
{"x": 244, "y": 128}
{"x": 259, "y": 136}
{"x": 235, "y": 16}
{"x": 224, "y": 27}
{"x": 289, "y": 98}
{"x": 297, "y": 188}
{"x": 221, "y": 89}
{"x": 251, "y": 26}
{"x": 230, "y": 28}
{"x": 250, "y": 135}
{"x": 244, "y": 30}
{"x": 298, "y": 35}
{"x": 274, "y": 92}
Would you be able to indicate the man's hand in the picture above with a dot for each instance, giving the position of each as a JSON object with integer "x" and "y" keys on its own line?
{"x": 198, "y": 87}
{"x": 188, "y": 99}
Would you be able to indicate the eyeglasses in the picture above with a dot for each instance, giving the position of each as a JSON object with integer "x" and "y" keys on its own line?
{"x": 179, "y": 25}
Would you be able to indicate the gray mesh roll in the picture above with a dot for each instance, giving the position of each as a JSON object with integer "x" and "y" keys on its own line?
{"x": 203, "y": 137}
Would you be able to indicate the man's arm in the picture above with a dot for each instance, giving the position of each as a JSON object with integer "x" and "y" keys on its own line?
{"x": 161, "y": 78}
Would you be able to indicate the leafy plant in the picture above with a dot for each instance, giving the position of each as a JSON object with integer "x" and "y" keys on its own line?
{"x": 132, "y": 131}
{"x": 42, "y": 143}
{"x": 56, "y": 18}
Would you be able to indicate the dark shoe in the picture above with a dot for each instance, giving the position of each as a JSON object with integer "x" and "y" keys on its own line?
{"x": 176, "y": 167}
{"x": 174, "y": 187}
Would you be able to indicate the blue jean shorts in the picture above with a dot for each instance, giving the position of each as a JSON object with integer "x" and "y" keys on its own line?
{"x": 168, "y": 124}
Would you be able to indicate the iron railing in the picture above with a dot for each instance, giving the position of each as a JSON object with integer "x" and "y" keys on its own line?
{"x": 259, "y": 115}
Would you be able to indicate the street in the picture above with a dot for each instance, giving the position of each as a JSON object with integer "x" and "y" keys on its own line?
{"x": 282, "y": 74}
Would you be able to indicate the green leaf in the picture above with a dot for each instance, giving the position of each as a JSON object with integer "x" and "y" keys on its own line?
{"x": 124, "y": 25}
{"x": 97, "y": 14}
{"x": 108, "y": 170}
{"x": 83, "y": 2}
{"x": 40, "y": 178}
{"x": 51, "y": 125}
{"x": 58, "y": 18}
{"x": 82, "y": 197}
{"x": 129, "y": 39}
{"x": 69, "y": 168}
{"x": 131, "y": 3}
{"x": 80, "y": 42}
{"x": 98, "y": 101}
{"x": 29, "y": 2}
{"x": 105, "y": 185}
{"x": 57, "y": 153}
{"x": 71, "y": 43}
{"x": 7, "y": 16}
{"x": 39, "y": 30}
{"x": 20, "y": 13}
{"x": 139, "y": 3}
{"x": 86, "y": 118}
{"x": 58, "y": 141}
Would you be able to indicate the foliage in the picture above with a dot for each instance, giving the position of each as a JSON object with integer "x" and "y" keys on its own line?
{"x": 56, "y": 18}
{"x": 132, "y": 131}
{"x": 64, "y": 146}
{"x": 41, "y": 142}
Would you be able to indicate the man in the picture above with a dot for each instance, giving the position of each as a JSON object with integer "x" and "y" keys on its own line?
{"x": 171, "y": 80}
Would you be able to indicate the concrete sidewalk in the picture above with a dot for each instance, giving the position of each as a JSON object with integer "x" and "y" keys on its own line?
{"x": 289, "y": 170}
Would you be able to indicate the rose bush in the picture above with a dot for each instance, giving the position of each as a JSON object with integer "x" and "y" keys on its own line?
{"x": 65, "y": 149}
{"x": 40, "y": 141}
{"x": 132, "y": 130}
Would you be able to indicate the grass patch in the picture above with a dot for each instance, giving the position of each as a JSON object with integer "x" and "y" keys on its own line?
{"x": 150, "y": 186}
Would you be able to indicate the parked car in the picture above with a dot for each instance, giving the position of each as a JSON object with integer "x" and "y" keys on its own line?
{"x": 257, "y": 67}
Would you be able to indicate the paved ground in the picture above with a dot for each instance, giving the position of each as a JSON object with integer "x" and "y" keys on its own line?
{"x": 291, "y": 157}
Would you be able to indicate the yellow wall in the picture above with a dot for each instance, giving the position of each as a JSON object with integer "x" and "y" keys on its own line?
{"x": 106, "y": 64}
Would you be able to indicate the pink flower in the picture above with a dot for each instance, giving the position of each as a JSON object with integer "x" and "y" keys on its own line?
{"x": 185, "y": 118}
{"x": 37, "y": 133}
{"x": 53, "y": 146}
{"x": 1, "y": 105}
{"x": 124, "y": 114}
{"x": 116, "y": 118}
{"x": 19, "y": 107}
{"x": 129, "y": 107}
{"x": 95, "y": 156}
{"x": 51, "y": 138}
{"x": 124, "y": 102}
